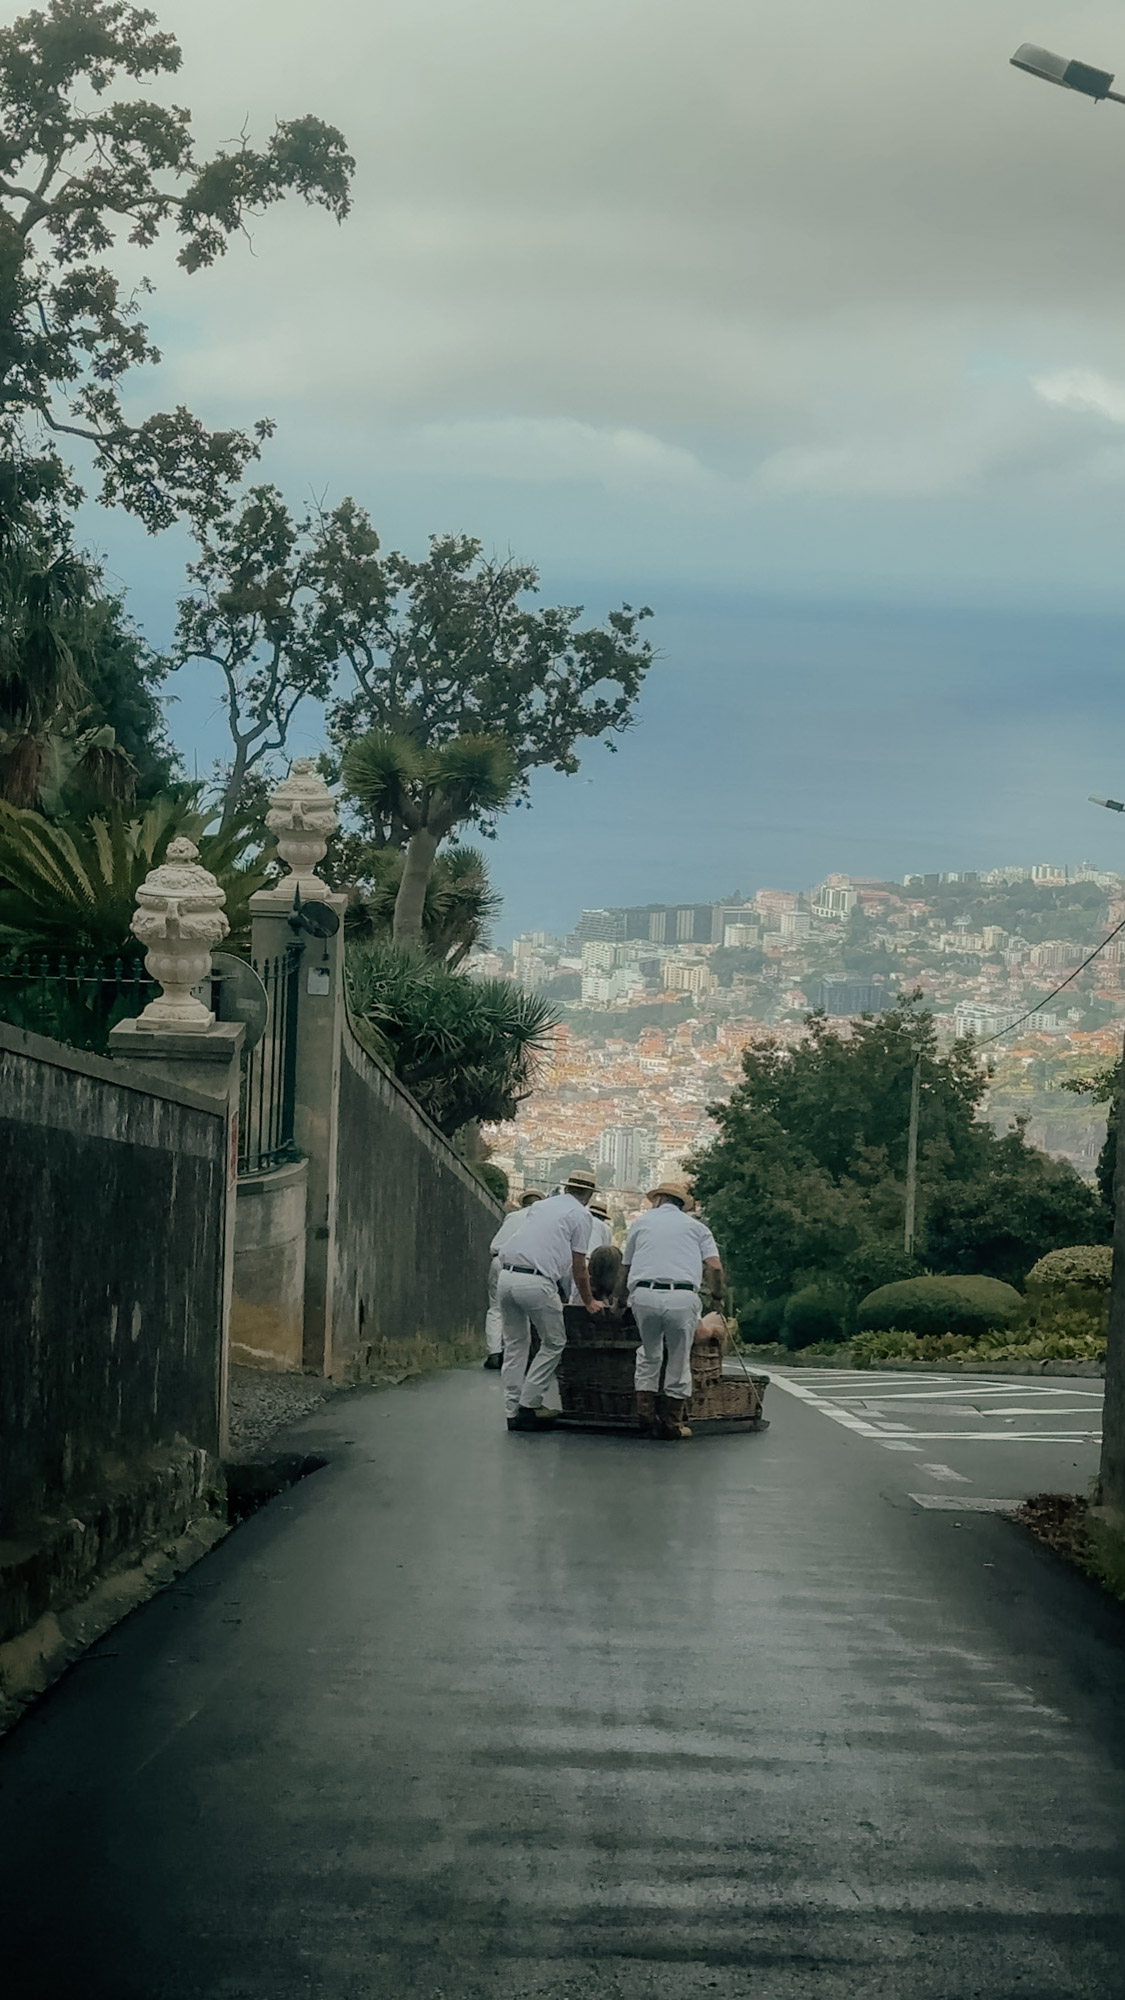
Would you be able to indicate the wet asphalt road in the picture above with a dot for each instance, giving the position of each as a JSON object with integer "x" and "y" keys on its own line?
{"x": 471, "y": 1714}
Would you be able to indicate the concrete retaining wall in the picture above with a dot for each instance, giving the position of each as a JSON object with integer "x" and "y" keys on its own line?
{"x": 268, "y": 1307}
{"x": 412, "y": 1230}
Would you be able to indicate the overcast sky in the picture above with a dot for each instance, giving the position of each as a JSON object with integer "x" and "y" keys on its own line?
{"x": 803, "y": 322}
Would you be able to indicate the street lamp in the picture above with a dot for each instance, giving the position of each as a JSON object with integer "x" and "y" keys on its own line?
{"x": 1078, "y": 76}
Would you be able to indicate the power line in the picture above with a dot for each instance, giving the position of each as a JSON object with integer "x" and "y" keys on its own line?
{"x": 1048, "y": 997}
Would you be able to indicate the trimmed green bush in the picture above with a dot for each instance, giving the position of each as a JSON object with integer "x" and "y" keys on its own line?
{"x": 812, "y": 1315}
{"x": 961, "y": 1306}
{"x": 1073, "y": 1274}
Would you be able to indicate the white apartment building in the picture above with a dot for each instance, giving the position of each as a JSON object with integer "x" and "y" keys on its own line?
{"x": 685, "y": 978}
{"x": 627, "y": 1156}
{"x": 832, "y": 899}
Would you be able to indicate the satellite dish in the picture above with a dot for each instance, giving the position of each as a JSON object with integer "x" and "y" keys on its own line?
{"x": 318, "y": 920}
{"x": 239, "y": 995}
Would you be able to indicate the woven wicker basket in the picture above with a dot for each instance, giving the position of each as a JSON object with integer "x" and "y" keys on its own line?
{"x": 596, "y": 1375}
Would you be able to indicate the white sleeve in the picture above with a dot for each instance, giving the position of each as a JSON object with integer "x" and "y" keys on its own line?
{"x": 579, "y": 1230}
{"x": 508, "y": 1228}
{"x": 707, "y": 1244}
{"x": 630, "y": 1245}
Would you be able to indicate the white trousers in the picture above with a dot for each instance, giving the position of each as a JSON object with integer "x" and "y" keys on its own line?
{"x": 493, "y": 1324}
{"x": 666, "y": 1322}
{"x": 526, "y": 1301}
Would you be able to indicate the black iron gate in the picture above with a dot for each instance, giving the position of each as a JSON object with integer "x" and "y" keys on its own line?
{"x": 269, "y": 1071}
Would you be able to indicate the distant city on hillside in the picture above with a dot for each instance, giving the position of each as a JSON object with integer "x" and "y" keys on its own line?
{"x": 657, "y": 1002}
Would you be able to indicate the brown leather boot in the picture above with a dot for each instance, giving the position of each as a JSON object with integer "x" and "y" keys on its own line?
{"x": 646, "y": 1412}
{"x": 675, "y": 1424}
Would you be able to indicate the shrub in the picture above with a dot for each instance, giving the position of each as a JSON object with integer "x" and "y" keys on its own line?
{"x": 813, "y": 1315}
{"x": 494, "y": 1178}
{"x": 467, "y": 1049}
{"x": 1077, "y": 1275}
{"x": 868, "y": 1350}
{"x": 959, "y": 1306}
{"x": 895, "y": 1345}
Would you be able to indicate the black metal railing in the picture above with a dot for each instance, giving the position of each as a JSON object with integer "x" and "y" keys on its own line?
{"x": 269, "y": 1071}
{"x": 73, "y": 1000}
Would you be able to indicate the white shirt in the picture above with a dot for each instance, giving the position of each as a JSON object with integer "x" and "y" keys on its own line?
{"x": 668, "y": 1246}
{"x": 601, "y": 1234}
{"x": 550, "y": 1234}
{"x": 509, "y": 1227}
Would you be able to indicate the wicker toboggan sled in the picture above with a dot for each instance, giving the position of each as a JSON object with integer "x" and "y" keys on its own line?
{"x": 596, "y": 1380}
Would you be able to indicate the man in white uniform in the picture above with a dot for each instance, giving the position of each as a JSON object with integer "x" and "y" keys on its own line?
{"x": 537, "y": 1266}
{"x": 601, "y": 1234}
{"x": 493, "y": 1329}
{"x": 666, "y": 1255}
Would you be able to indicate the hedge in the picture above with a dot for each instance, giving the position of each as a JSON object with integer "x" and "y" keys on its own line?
{"x": 960, "y": 1306}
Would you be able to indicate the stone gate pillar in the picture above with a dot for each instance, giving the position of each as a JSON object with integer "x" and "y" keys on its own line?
{"x": 179, "y": 917}
{"x": 302, "y": 815}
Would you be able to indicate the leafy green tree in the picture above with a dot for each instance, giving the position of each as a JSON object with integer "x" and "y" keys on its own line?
{"x": 121, "y": 675}
{"x": 80, "y": 722}
{"x": 428, "y": 791}
{"x": 42, "y": 591}
{"x": 806, "y": 1180}
{"x": 467, "y": 1049}
{"x": 449, "y": 647}
{"x": 77, "y": 167}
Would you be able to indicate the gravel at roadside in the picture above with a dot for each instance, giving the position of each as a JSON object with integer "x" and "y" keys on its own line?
{"x": 262, "y": 1403}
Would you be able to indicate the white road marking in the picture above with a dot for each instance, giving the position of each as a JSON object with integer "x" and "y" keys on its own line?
{"x": 946, "y": 1472}
{"x": 948, "y": 1505}
{"x": 864, "y": 1411}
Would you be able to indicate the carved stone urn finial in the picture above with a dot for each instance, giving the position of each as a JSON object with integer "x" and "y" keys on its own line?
{"x": 303, "y": 815}
{"x": 179, "y": 916}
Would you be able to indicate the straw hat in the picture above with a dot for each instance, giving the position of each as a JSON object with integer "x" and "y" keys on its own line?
{"x": 675, "y": 1191}
{"x": 598, "y": 1207}
{"x": 529, "y": 1195}
{"x": 582, "y": 1178}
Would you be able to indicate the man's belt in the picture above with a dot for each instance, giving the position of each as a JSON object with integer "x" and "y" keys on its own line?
{"x": 528, "y": 1270}
{"x": 656, "y": 1285}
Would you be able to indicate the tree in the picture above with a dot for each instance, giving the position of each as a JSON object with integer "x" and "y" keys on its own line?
{"x": 429, "y": 792}
{"x": 254, "y": 614}
{"x": 41, "y": 591}
{"x": 76, "y": 168}
{"x": 120, "y": 675}
{"x": 446, "y": 647}
{"x": 80, "y": 723}
{"x": 807, "y": 1177}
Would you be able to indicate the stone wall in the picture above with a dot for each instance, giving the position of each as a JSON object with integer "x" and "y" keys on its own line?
{"x": 111, "y": 1299}
{"x": 412, "y": 1231}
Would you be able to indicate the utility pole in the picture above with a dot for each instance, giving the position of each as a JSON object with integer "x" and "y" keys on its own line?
{"x": 912, "y": 1155}
{"x": 1111, "y": 1477}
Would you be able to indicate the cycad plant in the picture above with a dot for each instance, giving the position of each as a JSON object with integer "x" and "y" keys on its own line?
{"x": 72, "y": 887}
{"x": 427, "y": 791}
{"x": 466, "y": 1049}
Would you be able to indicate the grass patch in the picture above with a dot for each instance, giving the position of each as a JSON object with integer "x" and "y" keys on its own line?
{"x": 1065, "y": 1523}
